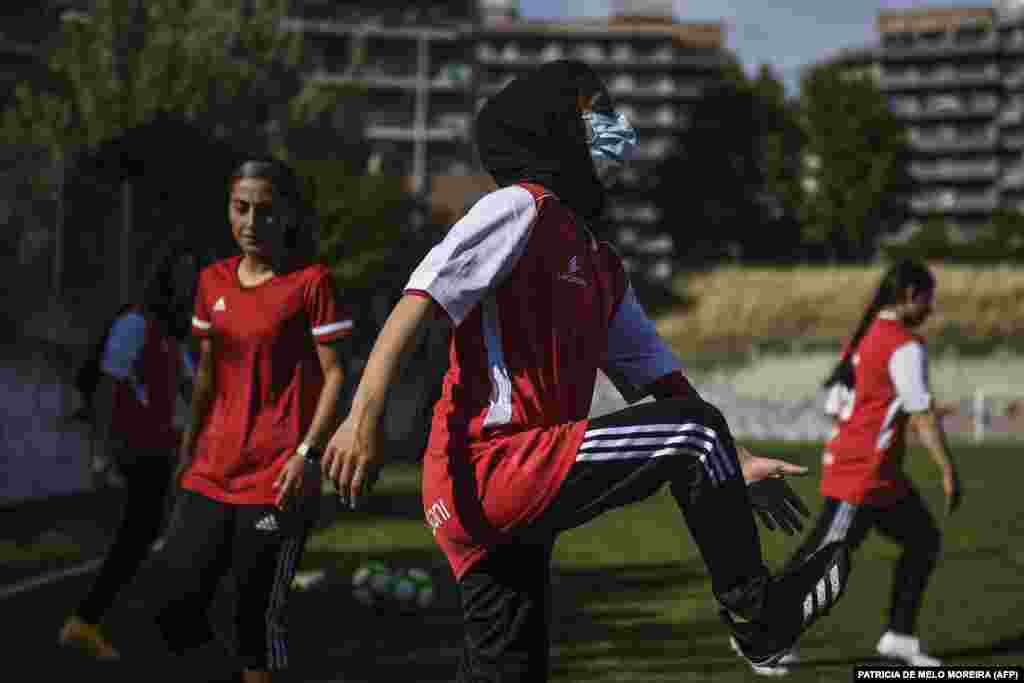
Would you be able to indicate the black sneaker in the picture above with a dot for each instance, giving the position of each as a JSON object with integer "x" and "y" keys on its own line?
{"x": 795, "y": 600}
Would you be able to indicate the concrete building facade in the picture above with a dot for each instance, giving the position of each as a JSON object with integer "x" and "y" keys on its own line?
{"x": 955, "y": 77}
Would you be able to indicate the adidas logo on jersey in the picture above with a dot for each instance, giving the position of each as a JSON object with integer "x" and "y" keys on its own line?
{"x": 572, "y": 273}
{"x": 221, "y": 305}
{"x": 268, "y": 523}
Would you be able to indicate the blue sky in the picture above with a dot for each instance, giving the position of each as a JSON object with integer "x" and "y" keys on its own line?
{"x": 784, "y": 33}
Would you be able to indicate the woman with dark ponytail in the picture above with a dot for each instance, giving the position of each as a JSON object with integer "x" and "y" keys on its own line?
{"x": 878, "y": 389}
{"x": 264, "y": 399}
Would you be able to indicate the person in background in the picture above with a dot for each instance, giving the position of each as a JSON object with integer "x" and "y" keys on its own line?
{"x": 877, "y": 391}
{"x": 136, "y": 371}
{"x": 265, "y": 397}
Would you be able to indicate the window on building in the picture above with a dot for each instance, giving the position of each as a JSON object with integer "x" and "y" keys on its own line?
{"x": 552, "y": 52}
{"x": 665, "y": 85}
{"x": 944, "y": 103}
{"x": 591, "y": 52}
{"x": 945, "y": 199}
{"x": 665, "y": 53}
{"x": 623, "y": 52}
{"x": 623, "y": 83}
{"x": 510, "y": 52}
{"x": 485, "y": 52}
{"x": 665, "y": 116}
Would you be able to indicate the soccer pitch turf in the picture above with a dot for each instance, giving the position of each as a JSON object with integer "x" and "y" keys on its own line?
{"x": 632, "y": 600}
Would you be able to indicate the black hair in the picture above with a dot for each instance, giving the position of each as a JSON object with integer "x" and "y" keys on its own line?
{"x": 905, "y": 274}
{"x": 531, "y": 131}
{"x": 300, "y": 238}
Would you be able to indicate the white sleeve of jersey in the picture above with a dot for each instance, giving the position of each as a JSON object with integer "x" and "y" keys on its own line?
{"x": 478, "y": 252}
{"x": 908, "y": 368}
{"x": 635, "y": 351}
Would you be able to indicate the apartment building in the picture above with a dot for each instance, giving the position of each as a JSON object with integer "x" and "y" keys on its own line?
{"x": 955, "y": 76}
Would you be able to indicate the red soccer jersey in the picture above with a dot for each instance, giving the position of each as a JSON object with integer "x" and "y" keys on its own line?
{"x": 532, "y": 295}
{"x": 143, "y": 413}
{"x": 267, "y": 375}
{"x": 863, "y": 461}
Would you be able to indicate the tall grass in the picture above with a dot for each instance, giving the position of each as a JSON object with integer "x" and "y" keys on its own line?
{"x": 735, "y": 308}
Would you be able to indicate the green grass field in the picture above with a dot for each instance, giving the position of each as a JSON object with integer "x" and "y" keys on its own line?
{"x": 632, "y": 600}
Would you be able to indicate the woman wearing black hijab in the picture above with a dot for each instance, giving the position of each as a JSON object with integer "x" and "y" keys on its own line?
{"x": 538, "y": 306}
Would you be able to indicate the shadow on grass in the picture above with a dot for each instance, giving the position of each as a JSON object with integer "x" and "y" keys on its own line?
{"x": 612, "y": 617}
{"x": 1013, "y": 645}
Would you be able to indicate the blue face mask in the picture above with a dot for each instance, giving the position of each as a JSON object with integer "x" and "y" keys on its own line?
{"x": 612, "y": 142}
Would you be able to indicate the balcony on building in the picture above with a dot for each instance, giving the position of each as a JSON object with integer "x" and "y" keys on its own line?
{"x": 644, "y": 214}
{"x": 511, "y": 54}
{"x": 664, "y": 87}
{"x": 486, "y": 52}
{"x": 1013, "y": 177}
{"x": 590, "y": 52}
{"x": 552, "y": 52}
{"x": 900, "y": 79}
{"x": 1014, "y": 80}
{"x": 947, "y": 75}
{"x": 1013, "y": 141}
{"x": 622, "y": 84}
{"x": 984, "y": 75}
{"x": 946, "y": 106}
{"x": 623, "y": 54}
{"x": 952, "y": 201}
{"x": 913, "y": 47}
{"x": 654, "y": 148}
{"x": 1013, "y": 41}
{"x": 452, "y": 76}
{"x": 390, "y": 125}
{"x": 949, "y": 170}
{"x": 452, "y": 126}
{"x": 1012, "y": 113}
{"x": 950, "y": 139}
{"x": 371, "y": 28}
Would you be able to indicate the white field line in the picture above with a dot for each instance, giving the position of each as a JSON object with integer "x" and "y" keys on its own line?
{"x": 48, "y": 578}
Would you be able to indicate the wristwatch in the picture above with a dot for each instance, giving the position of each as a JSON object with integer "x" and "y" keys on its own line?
{"x": 310, "y": 452}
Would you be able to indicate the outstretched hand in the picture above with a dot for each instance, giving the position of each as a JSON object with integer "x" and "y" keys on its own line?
{"x": 775, "y": 502}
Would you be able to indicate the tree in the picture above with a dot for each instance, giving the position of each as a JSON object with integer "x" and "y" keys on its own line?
{"x": 857, "y": 154}
{"x": 727, "y": 191}
{"x": 224, "y": 67}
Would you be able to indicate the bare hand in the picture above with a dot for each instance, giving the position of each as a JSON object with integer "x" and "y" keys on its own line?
{"x": 352, "y": 461}
{"x": 756, "y": 468}
{"x": 771, "y": 497}
{"x": 293, "y": 480}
